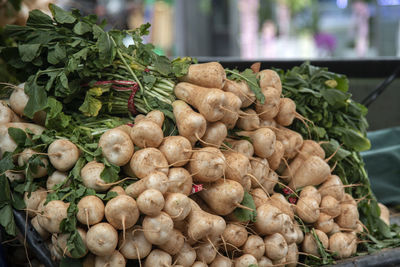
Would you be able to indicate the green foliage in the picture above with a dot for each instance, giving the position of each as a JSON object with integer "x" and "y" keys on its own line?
{"x": 245, "y": 215}
{"x": 250, "y": 78}
{"x": 58, "y": 56}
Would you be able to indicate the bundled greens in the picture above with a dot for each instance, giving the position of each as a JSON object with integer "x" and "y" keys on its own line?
{"x": 323, "y": 98}
{"x": 71, "y": 56}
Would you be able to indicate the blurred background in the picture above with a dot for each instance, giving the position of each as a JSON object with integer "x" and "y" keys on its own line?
{"x": 253, "y": 29}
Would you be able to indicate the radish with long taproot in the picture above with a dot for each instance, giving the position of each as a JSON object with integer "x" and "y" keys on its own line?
{"x": 191, "y": 124}
{"x": 314, "y": 171}
{"x": 208, "y": 101}
{"x": 223, "y": 196}
{"x": 210, "y": 74}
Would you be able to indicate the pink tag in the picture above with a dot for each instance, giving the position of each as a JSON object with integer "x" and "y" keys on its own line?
{"x": 197, "y": 188}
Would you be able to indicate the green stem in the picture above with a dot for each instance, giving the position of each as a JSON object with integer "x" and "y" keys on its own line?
{"x": 126, "y": 65}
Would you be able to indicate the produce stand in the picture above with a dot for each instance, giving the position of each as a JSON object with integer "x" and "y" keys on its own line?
{"x": 205, "y": 163}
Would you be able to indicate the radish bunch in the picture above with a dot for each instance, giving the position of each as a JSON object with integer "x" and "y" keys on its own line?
{"x": 299, "y": 206}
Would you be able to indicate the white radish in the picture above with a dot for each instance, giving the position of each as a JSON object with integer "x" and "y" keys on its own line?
{"x": 116, "y": 259}
{"x": 176, "y": 149}
{"x": 146, "y": 133}
{"x": 255, "y": 246}
{"x": 191, "y": 125}
{"x": 63, "y": 154}
{"x": 90, "y": 174}
{"x": 116, "y": 146}
{"x": 121, "y": 212}
{"x": 263, "y": 141}
{"x": 174, "y": 243}
{"x": 245, "y": 261}
{"x": 150, "y": 202}
{"x": 158, "y": 258}
{"x": 177, "y": 206}
{"x": 268, "y": 220}
{"x": 102, "y": 239}
{"x": 158, "y": 229}
{"x": 186, "y": 256}
{"x": 33, "y": 199}
{"x": 41, "y": 231}
{"x": 56, "y": 178}
{"x": 180, "y": 181}
{"x": 221, "y": 261}
{"x": 135, "y": 245}
{"x": 207, "y": 164}
{"x": 90, "y": 210}
{"x": 148, "y": 160}
{"x": 52, "y": 214}
{"x": 235, "y": 235}
{"x": 276, "y": 247}
{"x": 215, "y": 134}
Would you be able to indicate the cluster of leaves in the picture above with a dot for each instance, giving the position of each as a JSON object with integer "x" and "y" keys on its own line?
{"x": 60, "y": 54}
{"x": 322, "y": 97}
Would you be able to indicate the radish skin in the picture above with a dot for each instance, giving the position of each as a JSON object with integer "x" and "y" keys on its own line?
{"x": 270, "y": 78}
{"x": 177, "y": 150}
{"x": 116, "y": 146}
{"x": 207, "y": 164}
{"x": 135, "y": 244}
{"x": 102, "y": 239}
{"x": 52, "y": 214}
{"x": 215, "y": 134}
{"x": 191, "y": 125}
{"x": 232, "y": 105}
{"x": 121, "y": 212}
{"x": 90, "y": 175}
{"x": 255, "y": 246}
{"x": 148, "y": 160}
{"x": 174, "y": 243}
{"x": 263, "y": 141}
{"x": 150, "y": 202}
{"x": 276, "y": 247}
{"x": 245, "y": 261}
{"x": 146, "y": 133}
{"x": 158, "y": 229}
{"x": 63, "y": 154}
{"x": 158, "y": 258}
{"x": 210, "y": 74}
{"x": 180, "y": 181}
{"x": 314, "y": 171}
{"x": 186, "y": 256}
{"x": 223, "y": 196}
{"x": 90, "y": 210}
{"x": 208, "y": 101}
{"x": 268, "y": 220}
{"x": 116, "y": 260}
{"x": 270, "y": 108}
{"x": 177, "y": 206}
{"x": 33, "y": 199}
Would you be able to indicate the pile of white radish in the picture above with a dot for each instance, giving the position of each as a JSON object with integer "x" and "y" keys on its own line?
{"x": 159, "y": 221}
